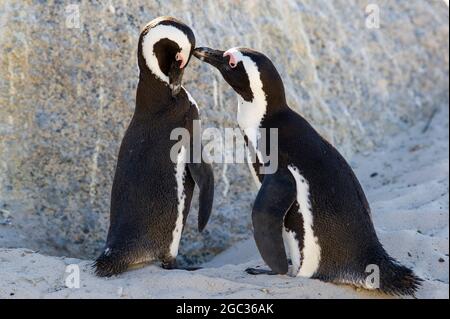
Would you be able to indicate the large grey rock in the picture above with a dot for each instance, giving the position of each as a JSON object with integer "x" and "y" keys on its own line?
{"x": 67, "y": 95}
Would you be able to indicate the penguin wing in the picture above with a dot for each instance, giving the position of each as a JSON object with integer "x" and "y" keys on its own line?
{"x": 203, "y": 176}
{"x": 276, "y": 196}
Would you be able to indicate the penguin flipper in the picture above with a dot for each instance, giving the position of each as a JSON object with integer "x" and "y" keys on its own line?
{"x": 276, "y": 196}
{"x": 203, "y": 176}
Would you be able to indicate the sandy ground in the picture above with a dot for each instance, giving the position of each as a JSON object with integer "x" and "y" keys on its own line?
{"x": 406, "y": 182}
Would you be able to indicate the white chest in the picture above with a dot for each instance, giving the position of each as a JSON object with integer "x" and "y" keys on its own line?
{"x": 249, "y": 118}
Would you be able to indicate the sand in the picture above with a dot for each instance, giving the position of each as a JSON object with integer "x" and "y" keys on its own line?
{"x": 406, "y": 181}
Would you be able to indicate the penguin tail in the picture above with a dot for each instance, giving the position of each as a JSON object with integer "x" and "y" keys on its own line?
{"x": 110, "y": 263}
{"x": 396, "y": 279}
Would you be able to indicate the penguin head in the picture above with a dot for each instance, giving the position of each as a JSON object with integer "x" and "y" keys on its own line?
{"x": 165, "y": 48}
{"x": 250, "y": 73}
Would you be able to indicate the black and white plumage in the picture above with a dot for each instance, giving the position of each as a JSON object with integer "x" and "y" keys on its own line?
{"x": 314, "y": 203}
{"x": 151, "y": 194}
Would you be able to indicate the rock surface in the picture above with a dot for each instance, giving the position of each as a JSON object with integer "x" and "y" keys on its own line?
{"x": 67, "y": 95}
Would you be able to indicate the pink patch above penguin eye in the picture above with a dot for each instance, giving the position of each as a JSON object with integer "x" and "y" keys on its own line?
{"x": 179, "y": 57}
{"x": 233, "y": 60}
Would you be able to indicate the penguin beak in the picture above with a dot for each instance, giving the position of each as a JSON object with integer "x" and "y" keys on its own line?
{"x": 211, "y": 56}
{"x": 175, "y": 77}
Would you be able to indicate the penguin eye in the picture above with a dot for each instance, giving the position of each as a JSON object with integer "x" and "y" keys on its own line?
{"x": 179, "y": 58}
{"x": 232, "y": 62}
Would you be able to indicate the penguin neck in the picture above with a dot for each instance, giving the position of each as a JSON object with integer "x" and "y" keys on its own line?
{"x": 152, "y": 94}
{"x": 252, "y": 114}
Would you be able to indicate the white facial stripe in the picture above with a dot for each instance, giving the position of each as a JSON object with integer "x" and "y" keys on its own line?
{"x": 180, "y": 172}
{"x": 250, "y": 114}
{"x": 158, "y": 33}
{"x": 311, "y": 250}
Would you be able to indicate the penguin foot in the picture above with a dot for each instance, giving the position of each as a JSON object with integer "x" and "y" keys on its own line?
{"x": 172, "y": 265}
{"x": 256, "y": 271}
{"x": 191, "y": 268}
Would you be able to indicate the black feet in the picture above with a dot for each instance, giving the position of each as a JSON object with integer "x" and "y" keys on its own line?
{"x": 190, "y": 268}
{"x": 172, "y": 264}
{"x": 256, "y": 271}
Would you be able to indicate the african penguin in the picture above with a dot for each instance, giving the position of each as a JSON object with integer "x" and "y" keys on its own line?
{"x": 313, "y": 203}
{"x": 151, "y": 194}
